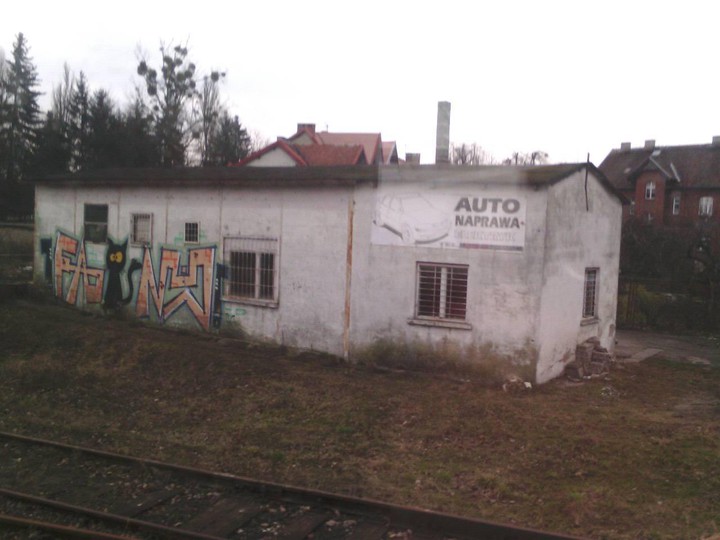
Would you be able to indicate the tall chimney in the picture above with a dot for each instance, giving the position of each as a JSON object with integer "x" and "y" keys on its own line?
{"x": 442, "y": 141}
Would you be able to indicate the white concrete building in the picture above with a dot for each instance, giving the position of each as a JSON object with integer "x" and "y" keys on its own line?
{"x": 490, "y": 264}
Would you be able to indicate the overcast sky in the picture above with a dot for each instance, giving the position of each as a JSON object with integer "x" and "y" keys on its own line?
{"x": 565, "y": 77}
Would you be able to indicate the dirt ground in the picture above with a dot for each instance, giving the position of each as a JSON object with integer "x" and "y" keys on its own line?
{"x": 635, "y": 454}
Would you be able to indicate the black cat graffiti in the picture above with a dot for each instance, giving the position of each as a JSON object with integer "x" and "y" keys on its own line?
{"x": 115, "y": 260}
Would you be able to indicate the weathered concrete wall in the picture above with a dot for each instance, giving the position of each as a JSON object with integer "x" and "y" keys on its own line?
{"x": 175, "y": 283}
{"x": 504, "y": 286}
{"x": 577, "y": 239}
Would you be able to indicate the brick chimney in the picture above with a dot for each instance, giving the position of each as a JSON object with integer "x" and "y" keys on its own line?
{"x": 309, "y": 127}
{"x": 625, "y": 147}
{"x": 716, "y": 140}
{"x": 412, "y": 158}
{"x": 649, "y": 144}
{"x": 442, "y": 141}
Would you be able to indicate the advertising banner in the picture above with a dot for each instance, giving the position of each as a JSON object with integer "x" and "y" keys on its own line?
{"x": 446, "y": 220}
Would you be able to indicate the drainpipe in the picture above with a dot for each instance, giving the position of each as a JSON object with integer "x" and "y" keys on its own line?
{"x": 348, "y": 276}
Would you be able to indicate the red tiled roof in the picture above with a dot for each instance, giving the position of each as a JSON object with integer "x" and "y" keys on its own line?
{"x": 327, "y": 154}
{"x": 289, "y": 149}
{"x": 369, "y": 141}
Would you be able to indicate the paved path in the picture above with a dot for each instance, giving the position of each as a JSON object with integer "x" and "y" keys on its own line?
{"x": 637, "y": 345}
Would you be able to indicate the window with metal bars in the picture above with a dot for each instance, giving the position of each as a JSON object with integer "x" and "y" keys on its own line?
{"x": 251, "y": 268}
{"x": 192, "y": 232}
{"x": 590, "y": 293}
{"x": 96, "y": 222}
{"x": 441, "y": 291}
{"x": 141, "y": 229}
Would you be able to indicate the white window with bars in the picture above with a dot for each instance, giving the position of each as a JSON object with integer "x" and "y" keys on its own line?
{"x": 192, "y": 232}
{"x": 590, "y": 293}
{"x": 650, "y": 191}
{"x": 141, "y": 229}
{"x": 441, "y": 291}
{"x": 252, "y": 269}
{"x": 706, "y": 206}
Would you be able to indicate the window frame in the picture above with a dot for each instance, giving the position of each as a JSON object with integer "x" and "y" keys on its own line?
{"x": 650, "y": 189}
{"x": 449, "y": 284}
{"x": 705, "y": 206}
{"x": 676, "y": 205}
{"x": 134, "y": 240}
{"x": 259, "y": 247}
{"x": 590, "y": 296}
{"x": 90, "y": 224}
{"x": 196, "y": 224}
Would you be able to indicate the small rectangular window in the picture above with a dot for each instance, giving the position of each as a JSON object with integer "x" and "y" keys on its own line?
{"x": 676, "y": 205}
{"x": 95, "y": 222}
{"x": 192, "y": 232}
{"x": 590, "y": 293}
{"x": 441, "y": 291}
{"x": 252, "y": 268}
{"x": 706, "y": 206}
{"x": 141, "y": 229}
{"x": 650, "y": 191}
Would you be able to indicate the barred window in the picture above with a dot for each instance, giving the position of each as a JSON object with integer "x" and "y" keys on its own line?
{"x": 141, "y": 229}
{"x": 252, "y": 268}
{"x": 441, "y": 291}
{"x": 590, "y": 294}
{"x": 192, "y": 232}
{"x": 96, "y": 222}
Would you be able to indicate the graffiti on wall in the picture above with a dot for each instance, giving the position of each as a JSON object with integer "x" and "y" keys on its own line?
{"x": 180, "y": 278}
{"x": 73, "y": 276}
{"x": 174, "y": 284}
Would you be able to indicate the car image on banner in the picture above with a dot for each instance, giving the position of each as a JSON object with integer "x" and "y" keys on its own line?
{"x": 412, "y": 217}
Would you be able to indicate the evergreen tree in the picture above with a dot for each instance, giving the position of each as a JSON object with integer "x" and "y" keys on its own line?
{"x": 229, "y": 143}
{"x": 138, "y": 144}
{"x": 104, "y": 132}
{"x": 53, "y": 153}
{"x": 19, "y": 124}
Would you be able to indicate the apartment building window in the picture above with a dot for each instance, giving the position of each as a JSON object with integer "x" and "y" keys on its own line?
{"x": 706, "y": 206}
{"x": 95, "y": 222}
{"x": 252, "y": 268}
{"x": 141, "y": 229}
{"x": 192, "y": 232}
{"x": 650, "y": 191}
{"x": 441, "y": 291}
{"x": 590, "y": 293}
{"x": 676, "y": 205}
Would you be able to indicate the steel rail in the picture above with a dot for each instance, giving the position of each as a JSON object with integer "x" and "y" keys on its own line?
{"x": 398, "y": 515}
{"x": 136, "y": 524}
{"x": 63, "y": 530}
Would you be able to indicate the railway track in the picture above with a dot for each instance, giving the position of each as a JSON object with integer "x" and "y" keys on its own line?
{"x": 72, "y": 492}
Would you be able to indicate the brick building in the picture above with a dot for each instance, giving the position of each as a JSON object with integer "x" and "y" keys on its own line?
{"x": 676, "y": 186}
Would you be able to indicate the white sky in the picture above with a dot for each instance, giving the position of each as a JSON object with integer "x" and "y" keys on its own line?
{"x": 566, "y": 77}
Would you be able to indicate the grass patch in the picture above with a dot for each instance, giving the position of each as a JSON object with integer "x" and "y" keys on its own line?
{"x": 636, "y": 455}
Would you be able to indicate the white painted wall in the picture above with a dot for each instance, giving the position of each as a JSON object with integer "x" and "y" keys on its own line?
{"x": 577, "y": 239}
{"x": 274, "y": 158}
{"x": 524, "y": 305}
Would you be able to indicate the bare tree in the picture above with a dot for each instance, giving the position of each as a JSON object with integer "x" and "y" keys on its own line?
{"x": 469, "y": 154}
{"x": 538, "y": 157}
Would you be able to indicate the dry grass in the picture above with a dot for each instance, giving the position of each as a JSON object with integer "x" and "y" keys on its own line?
{"x": 634, "y": 456}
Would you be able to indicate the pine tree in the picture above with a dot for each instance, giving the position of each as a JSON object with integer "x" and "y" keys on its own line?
{"x": 229, "y": 143}
{"x": 19, "y": 125}
{"x": 20, "y": 116}
{"x": 103, "y": 145}
{"x": 80, "y": 123}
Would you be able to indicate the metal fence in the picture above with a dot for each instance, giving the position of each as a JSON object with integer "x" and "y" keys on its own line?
{"x": 666, "y": 305}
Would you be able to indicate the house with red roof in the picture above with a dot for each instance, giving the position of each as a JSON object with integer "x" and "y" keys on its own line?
{"x": 308, "y": 147}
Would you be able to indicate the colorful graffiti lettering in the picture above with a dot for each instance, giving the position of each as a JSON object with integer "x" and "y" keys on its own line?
{"x": 70, "y": 259}
{"x": 175, "y": 285}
